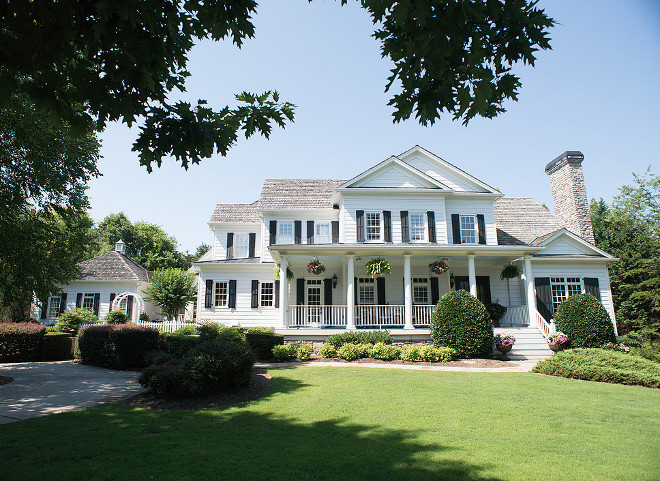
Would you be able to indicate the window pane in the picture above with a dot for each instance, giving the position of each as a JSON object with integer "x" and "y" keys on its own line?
{"x": 417, "y": 226}
{"x": 322, "y": 235}
{"x": 366, "y": 291}
{"x": 88, "y": 301}
{"x": 53, "y": 307}
{"x": 285, "y": 232}
{"x": 420, "y": 290}
{"x": 267, "y": 293}
{"x": 373, "y": 226}
{"x": 468, "y": 234}
{"x": 221, "y": 293}
{"x": 242, "y": 242}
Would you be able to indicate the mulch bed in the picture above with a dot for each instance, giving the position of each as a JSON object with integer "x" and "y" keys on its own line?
{"x": 259, "y": 387}
{"x": 5, "y": 380}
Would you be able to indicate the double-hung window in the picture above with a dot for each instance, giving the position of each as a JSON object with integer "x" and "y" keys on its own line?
{"x": 285, "y": 232}
{"x": 88, "y": 301}
{"x": 221, "y": 292}
{"x": 123, "y": 305}
{"x": 366, "y": 291}
{"x": 373, "y": 226}
{"x": 322, "y": 233}
{"x": 417, "y": 222}
{"x": 242, "y": 245}
{"x": 267, "y": 294}
{"x": 563, "y": 288}
{"x": 420, "y": 290}
{"x": 469, "y": 234}
{"x": 54, "y": 307}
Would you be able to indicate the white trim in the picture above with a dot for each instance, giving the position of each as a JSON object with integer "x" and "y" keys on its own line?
{"x": 293, "y": 232}
{"x": 425, "y": 225}
{"x": 578, "y": 239}
{"x": 381, "y": 227}
{"x": 395, "y": 161}
{"x": 226, "y": 304}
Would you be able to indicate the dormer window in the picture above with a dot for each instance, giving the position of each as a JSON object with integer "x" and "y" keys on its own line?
{"x": 285, "y": 232}
{"x": 469, "y": 233}
{"x": 373, "y": 226}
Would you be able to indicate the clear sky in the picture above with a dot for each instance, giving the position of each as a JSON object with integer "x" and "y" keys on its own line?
{"x": 596, "y": 91}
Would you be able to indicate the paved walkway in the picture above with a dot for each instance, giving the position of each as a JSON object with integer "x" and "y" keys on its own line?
{"x": 511, "y": 366}
{"x": 41, "y": 388}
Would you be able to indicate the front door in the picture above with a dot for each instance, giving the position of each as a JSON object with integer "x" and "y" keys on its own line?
{"x": 483, "y": 287}
{"x": 314, "y": 296}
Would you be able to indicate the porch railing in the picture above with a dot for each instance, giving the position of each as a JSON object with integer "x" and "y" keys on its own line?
{"x": 317, "y": 316}
{"x": 515, "y": 316}
{"x": 544, "y": 326}
{"x": 422, "y": 315}
{"x": 379, "y": 316}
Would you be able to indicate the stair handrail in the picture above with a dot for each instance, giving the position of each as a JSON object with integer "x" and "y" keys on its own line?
{"x": 544, "y": 326}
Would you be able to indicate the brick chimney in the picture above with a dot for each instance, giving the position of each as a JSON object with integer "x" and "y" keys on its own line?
{"x": 569, "y": 194}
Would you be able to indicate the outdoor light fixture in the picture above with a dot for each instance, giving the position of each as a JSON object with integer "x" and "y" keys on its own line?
{"x": 451, "y": 280}
{"x": 334, "y": 281}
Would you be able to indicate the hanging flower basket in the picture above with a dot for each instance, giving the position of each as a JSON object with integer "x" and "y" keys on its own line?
{"x": 377, "y": 266}
{"x": 509, "y": 271}
{"x": 289, "y": 272}
{"x": 315, "y": 267}
{"x": 438, "y": 267}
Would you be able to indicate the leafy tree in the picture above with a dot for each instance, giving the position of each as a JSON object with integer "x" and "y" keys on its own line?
{"x": 171, "y": 290}
{"x": 121, "y": 60}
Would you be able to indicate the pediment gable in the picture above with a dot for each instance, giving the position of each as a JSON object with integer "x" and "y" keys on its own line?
{"x": 394, "y": 174}
{"x": 564, "y": 243}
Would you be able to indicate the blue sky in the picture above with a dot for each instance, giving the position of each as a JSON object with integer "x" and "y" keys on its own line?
{"x": 597, "y": 91}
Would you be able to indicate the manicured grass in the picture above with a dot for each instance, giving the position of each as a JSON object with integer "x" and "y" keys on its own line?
{"x": 357, "y": 423}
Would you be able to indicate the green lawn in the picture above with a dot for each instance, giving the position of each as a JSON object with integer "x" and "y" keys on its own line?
{"x": 357, "y": 423}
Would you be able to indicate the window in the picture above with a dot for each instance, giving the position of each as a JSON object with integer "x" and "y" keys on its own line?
{"x": 267, "y": 294}
{"x": 322, "y": 234}
{"x": 53, "y": 307}
{"x": 285, "y": 232}
{"x": 88, "y": 301}
{"x": 372, "y": 226}
{"x": 563, "y": 288}
{"x": 420, "y": 290}
{"x": 366, "y": 291}
{"x": 469, "y": 229}
{"x": 123, "y": 305}
{"x": 221, "y": 293}
{"x": 242, "y": 245}
{"x": 417, "y": 226}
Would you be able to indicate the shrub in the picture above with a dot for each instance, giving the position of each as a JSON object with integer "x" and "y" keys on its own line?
{"x": 262, "y": 329}
{"x": 304, "y": 352}
{"x": 219, "y": 364}
{"x": 143, "y": 317}
{"x": 349, "y": 352}
{"x": 116, "y": 346}
{"x": 411, "y": 353}
{"x": 168, "y": 379}
{"x": 20, "y": 341}
{"x": 360, "y": 337}
{"x": 177, "y": 345}
{"x": 632, "y": 339}
{"x": 189, "y": 330}
{"x": 284, "y": 352}
{"x": 461, "y": 322}
{"x": 496, "y": 311}
{"x": 157, "y": 356}
{"x": 56, "y": 346}
{"x": 585, "y": 321}
{"x": 209, "y": 330}
{"x": 327, "y": 350}
{"x": 262, "y": 343}
{"x": 71, "y": 321}
{"x": 116, "y": 316}
{"x": 649, "y": 350}
{"x": 601, "y": 365}
{"x": 385, "y": 352}
{"x": 437, "y": 354}
{"x": 231, "y": 334}
{"x": 610, "y": 346}
{"x": 364, "y": 349}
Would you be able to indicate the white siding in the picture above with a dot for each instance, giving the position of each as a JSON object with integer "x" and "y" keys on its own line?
{"x": 220, "y": 239}
{"x": 473, "y": 206}
{"x": 566, "y": 246}
{"x": 446, "y": 176}
{"x": 393, "y": 177}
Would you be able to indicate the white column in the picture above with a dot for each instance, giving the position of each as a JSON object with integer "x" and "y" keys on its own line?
{"x": 407, "y": 293}
{"x": 284, "y": 289}
{"x": 529, "y": 284}
{"x": 350, "y": 301}
{"x": 472, "y": 275}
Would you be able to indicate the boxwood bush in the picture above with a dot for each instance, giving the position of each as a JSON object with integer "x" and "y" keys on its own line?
{"x": 176, "y": 344}
{"x": 116, "y": 346}
{"x": 56, "y": 346}
{"x": 385, "y": 352}
{"x": 461, "y": 321}
{"x": 70, "y": 321}
{"x": 20, "y": 341}
{"x": 349, "y": 352}
{"x": 585, "y": 321}
{"x": 262, "y": 343}
{"x": 360, "y": 337}
{"x": 284, "y": 352}
{"x": 116, "y": 316}
{"x": 327, "y": 350}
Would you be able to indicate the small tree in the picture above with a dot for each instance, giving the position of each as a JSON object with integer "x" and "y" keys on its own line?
{"x": 171, "y": 290}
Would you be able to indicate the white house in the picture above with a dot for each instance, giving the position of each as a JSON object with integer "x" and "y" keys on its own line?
{"x": 411, "y": 209}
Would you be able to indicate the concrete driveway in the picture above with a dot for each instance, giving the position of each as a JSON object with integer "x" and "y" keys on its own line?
{"x": 41, "y": 388}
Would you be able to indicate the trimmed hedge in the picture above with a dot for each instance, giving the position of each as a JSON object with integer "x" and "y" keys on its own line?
{"x": 177, "y": 345}
{"x": 20, "y": 341}
{"x": 70, "y": 321}
{"x": 262, "y": 343}
{"x": 461, "y": 321}
{"x": 56, "y": 346}
{"x": 601, "y": 365}
{"x": 360, "y": 337}
{"x": 585, "y": 321}
{"x": 116, "y": 346}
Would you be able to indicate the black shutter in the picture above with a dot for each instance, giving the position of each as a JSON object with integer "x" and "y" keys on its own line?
{"x": 481, "y": 224}
{"x": 297, "y": 232}
{"x": 430, "y": 219}
{"x": 112, "y": 298}
{"x": 97, "y": 299}
{"x": 405, "y": 233}
{"x": 387, "y": 225}
{"x": 355, "y": 291}
{"x": 208, "y": 294}
{"x": 232, "y": 294}
{"x": 277, "y": 293}
{"x": 230, "y": 245}
{"x": 79, "y": 300}
{"x": 543, "y": 297}
{"x": 591, "y": 287}
{"x": 310, "y": 231}
{"x": 44, "y": 310}
{"x": 300, "y": 291}
{"x": 359, "y": 225}
{"x": 255, "y": 295}
{"x": 63, "y": 302}
{"x": 483, "y": 288}
{"x": 327, "y": 292}
{"x": 129, "y": 307}
{"x": 253, "y": 241}
{"x": 456, "y": 228}
{"x": 272, "y": 232}
{"x": 435, "y": 290}
{"x": 380, "y": 291}
{"x": 335, "y": 232}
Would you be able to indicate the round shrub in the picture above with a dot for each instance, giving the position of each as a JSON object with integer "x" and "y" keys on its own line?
{"x": 349, "y": 352}
{"x": 20, "y": 341}
{"x": 144, "y": 317}
{"x": 177, "y": 345}
{"x": 410, "y": 353}
{"x": 189, "y": 330}
{"x": 209, "y": 330}
{"x": 385, "y": 352}
{"x": 461, "y": 321}
{"x": 283, "y": 353}
{"x": 304, "y": 352}
{"x": 71, "y": 321}
{"x": 115, "y": 346}
{"x": 585, "y": 321}
{"x": 116, "y": 316}
{"x": 327, "y": 350}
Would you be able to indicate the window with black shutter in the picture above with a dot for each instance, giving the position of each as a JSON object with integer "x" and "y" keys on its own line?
{"x": 359, "y": 225}
{"x": 405, "y": 233}
{"x": 208, "y": 294}
{"x": 230, "y": 245}
{"x": 254, "y": 299}
{"x": 232, "y": 294}
{"x": 387, "y": 225}
{"x": 430, "y": 218}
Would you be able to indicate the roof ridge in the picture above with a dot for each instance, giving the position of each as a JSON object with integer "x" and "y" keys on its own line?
{"x": 131, "y": 263}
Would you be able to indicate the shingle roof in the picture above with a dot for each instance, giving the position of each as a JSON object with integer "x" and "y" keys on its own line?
{"x": 240, "y": 213}
{"x": 520, "y": 221}
{"x": 297, "y": 193}
{"x": 112, "y": 266}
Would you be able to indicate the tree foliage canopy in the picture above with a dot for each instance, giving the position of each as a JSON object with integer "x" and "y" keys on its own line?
{"x": 171, "y": 290}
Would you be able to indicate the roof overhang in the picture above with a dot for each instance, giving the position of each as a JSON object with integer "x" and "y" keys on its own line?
{"x": 402, "y": 165}
{"x": 587, "y": 245}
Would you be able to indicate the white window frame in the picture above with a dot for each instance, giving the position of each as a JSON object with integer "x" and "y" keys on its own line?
{"x": 217, "y": 294}
{"x": 366, "y": 284}
{"x": 424, "y": 227}
{"x": 379, "y": 213}
{"x": 567, "y": 284}
{"x": 123, "y": 305}
{"x": 475, "y": 230}
{"x": 57, "y": 301}
{"x": 322, "y": 238}
{"x": 315, "y": 283}
{"x": 419, "y": 283}
{"x": 285, "y": 239}
{"x": 263, "y": 297}
{"x": 88, "y": 296}
{"x": 241, "y": 245}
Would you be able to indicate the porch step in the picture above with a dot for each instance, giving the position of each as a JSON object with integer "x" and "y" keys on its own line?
{"x": 530, "y": 344}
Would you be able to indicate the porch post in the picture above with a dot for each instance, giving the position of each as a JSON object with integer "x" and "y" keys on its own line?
{"x": 529, "y": 284}
{"x": 472, "y": 275}
{"x": 407, "y": 293}
{"x": 350, "y": 301}
{"x": 284, "y": 289}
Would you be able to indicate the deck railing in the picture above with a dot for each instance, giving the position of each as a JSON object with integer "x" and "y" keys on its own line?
{"x": 317, "y": 316}
{"x": 515, "y": 316}
{"x": 422, "y": 315}
{"x": 379, "y": 316}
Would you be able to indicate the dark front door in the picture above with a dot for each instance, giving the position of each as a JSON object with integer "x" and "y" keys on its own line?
{"x": 483, "y": 287}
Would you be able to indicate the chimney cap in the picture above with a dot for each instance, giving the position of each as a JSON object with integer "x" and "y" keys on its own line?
{"x": 573, "y": 156}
